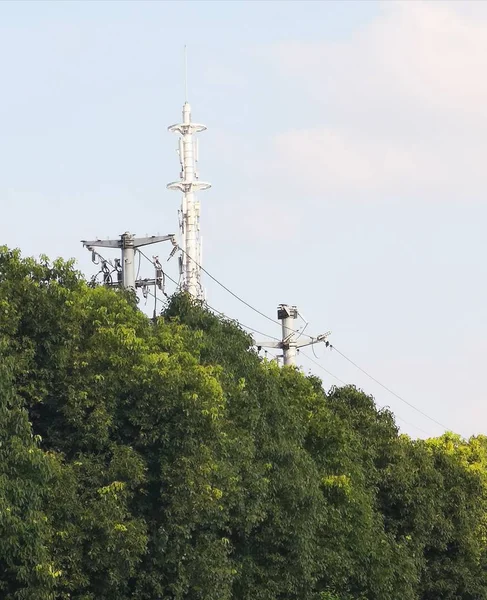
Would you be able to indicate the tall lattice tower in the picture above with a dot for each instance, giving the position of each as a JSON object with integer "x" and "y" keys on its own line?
{"x": 189, "y": 214}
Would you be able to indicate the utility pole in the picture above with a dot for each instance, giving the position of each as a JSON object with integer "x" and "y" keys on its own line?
{"x": 125, "y": 267}
{"x": 290, "y": 343}
{"x": 189, "y": 215}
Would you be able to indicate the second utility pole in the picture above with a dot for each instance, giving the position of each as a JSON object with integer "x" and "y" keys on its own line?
{"x": 290, "y": 343}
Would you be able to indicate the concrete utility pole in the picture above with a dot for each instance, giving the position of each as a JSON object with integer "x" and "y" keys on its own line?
{"x": 128, "y": 244}
{"x": 290, "y": 343}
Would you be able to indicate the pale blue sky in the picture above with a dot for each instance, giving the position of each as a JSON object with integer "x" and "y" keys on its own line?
{"x": 346, "y": 149}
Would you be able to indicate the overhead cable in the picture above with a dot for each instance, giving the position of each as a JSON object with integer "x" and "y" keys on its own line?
{"x": 344, "y": 383}
{"x": 216, "y": 310}
{"x": 237, "y": 297}
{"x": 391, "y": 391}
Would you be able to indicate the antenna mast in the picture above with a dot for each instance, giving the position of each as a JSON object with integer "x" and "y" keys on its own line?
{"x": 189, "y": 183}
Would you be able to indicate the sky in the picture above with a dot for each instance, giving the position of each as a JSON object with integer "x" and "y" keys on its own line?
{"x": 346, "y": 149}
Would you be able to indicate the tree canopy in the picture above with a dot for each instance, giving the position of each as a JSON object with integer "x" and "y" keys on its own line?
{"x": 165, "y": 460}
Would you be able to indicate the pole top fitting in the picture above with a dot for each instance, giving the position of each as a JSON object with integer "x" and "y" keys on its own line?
{"x": 284, "y": 311}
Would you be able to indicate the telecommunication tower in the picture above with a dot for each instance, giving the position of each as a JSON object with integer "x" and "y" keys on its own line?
{"x": 189, "y": 214}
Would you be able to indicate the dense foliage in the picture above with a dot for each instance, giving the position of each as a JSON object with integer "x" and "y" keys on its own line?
{"x": 167, "y": 461}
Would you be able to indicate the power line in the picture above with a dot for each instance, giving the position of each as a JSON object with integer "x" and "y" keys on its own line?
{"x": 322, "y": 367}
{"x": 344, "y": 383}
{"x": 391, "y": 391}
{"x": 215, "y": 309}
{"x": 296, "y": 331}
{"x": 396, "y": 416}
{"x": 312, "y": 338}
{"x": 237, "y": 297}
{"x": 275, "y": 357}
{"x": 241, "y": 324}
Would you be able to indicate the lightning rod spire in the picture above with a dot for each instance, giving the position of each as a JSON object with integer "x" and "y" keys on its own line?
{"x": 185, "y": 74}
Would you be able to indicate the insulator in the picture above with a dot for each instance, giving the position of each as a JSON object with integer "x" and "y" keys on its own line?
{"x": 159, "y": 278}
{"x": 107, "y": 278}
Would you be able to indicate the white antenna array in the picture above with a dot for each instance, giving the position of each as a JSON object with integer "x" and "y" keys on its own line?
{"x": 189, "y": 183}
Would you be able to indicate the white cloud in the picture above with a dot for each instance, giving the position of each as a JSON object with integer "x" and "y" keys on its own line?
{"x": 406, "y": 97}
{"x": 341, "y": 159}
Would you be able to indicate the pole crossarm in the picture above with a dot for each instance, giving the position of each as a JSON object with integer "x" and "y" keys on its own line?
{"x": 154, "y": 239}
{"x": 137, "y": 242}
{"x": 101, "y": 244}
{"x": 316, "y": 340}
{"x": 268, "y": 344}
